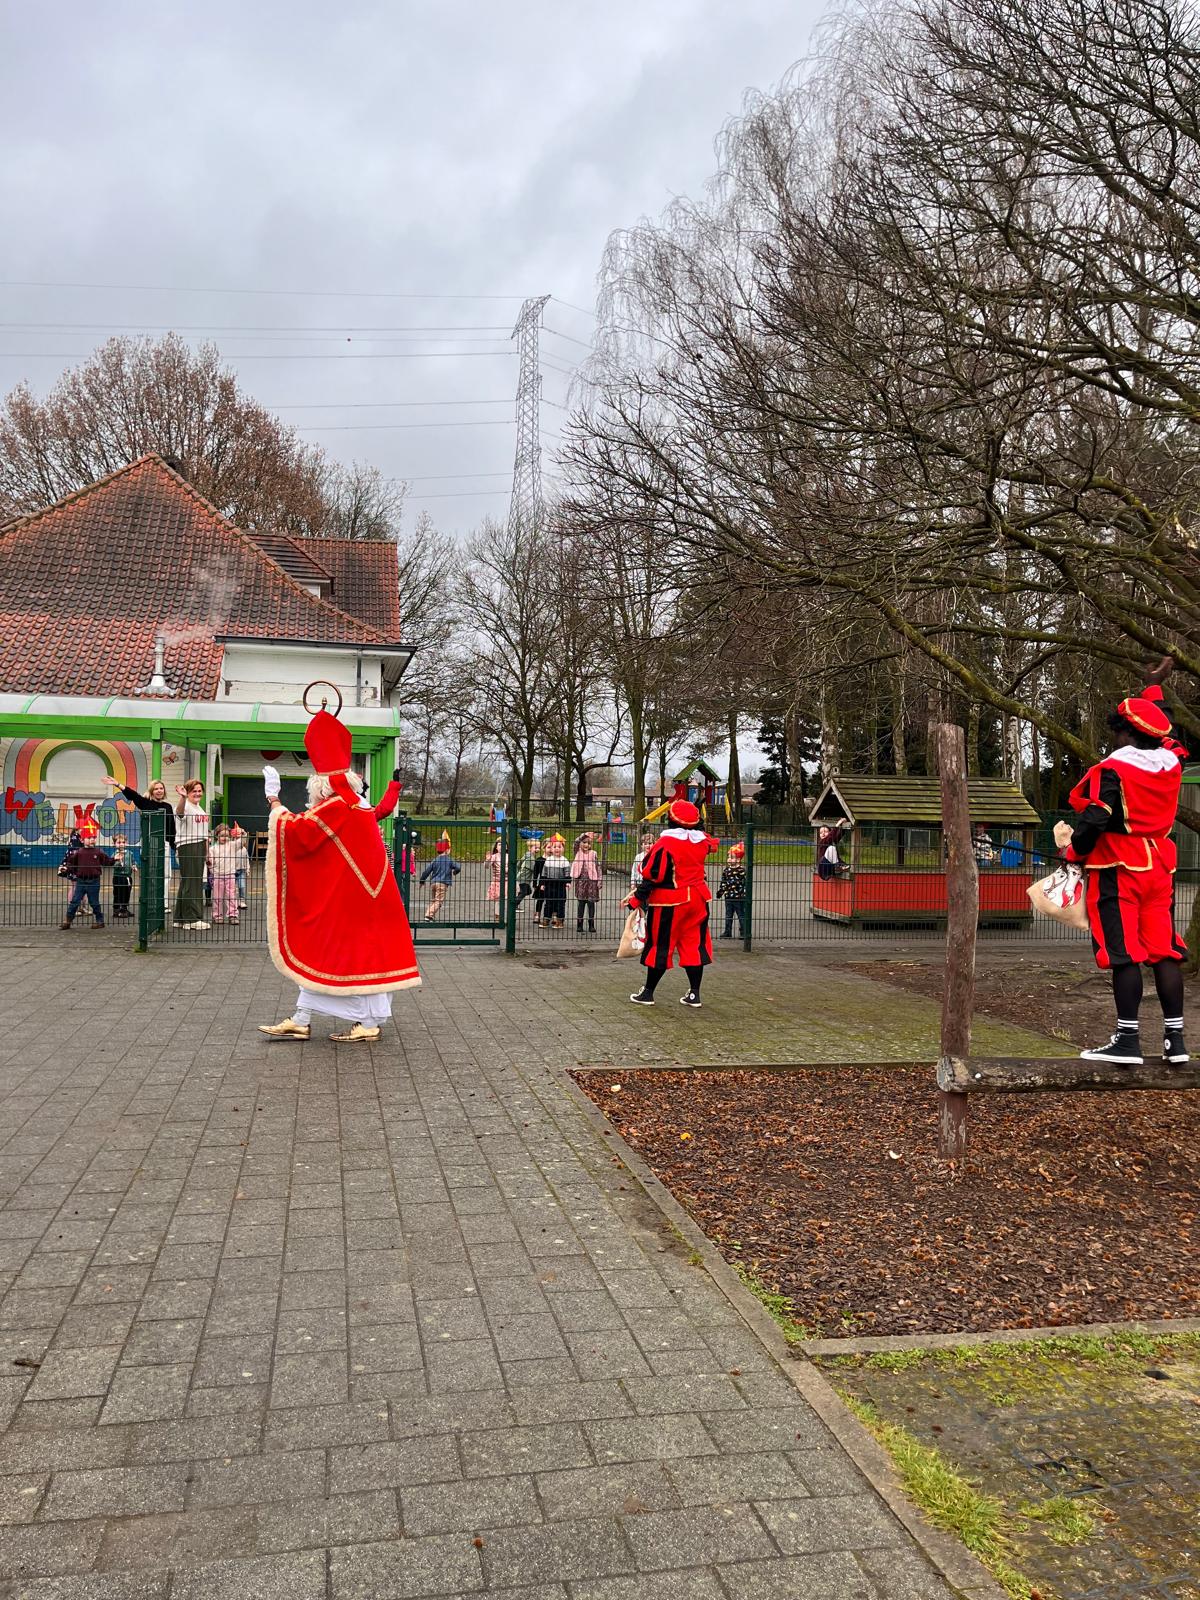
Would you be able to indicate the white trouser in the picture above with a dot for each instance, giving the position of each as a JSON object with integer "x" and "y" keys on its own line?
{"x": 369, "y": 1009}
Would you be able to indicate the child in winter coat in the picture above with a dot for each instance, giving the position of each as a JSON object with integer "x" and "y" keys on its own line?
{"x": 122, "y": 884}
{"x": 585, "y": 876}
{"x": 493, "y": 888}
{"x": 441, "y": 872}
{"x": 645, "y": 845}
{"x": 732, "y": 889}
{"x": 528, "y": 870}
{"x": 226, "y": 858}
{"x": 552, "y": 882}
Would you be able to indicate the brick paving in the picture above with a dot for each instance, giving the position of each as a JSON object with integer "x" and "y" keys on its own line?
{"x": 320, "y": 1323}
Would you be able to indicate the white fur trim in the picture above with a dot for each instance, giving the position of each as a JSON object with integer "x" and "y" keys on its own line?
{"x": 1145, "y": 760}
{"x": 692, "y": 835}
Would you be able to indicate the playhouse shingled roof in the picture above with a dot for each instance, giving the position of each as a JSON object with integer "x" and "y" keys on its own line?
{"x": 86, "y": 584}
{"x": 917, "y": 800}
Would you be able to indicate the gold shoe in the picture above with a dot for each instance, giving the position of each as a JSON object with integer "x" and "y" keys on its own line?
{"x": 287, "y": 1029}
{"x": 357, "y": 1035}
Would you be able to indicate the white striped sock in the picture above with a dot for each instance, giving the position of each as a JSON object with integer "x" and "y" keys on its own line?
{"x": 1126, "y": 1027}
{"x": 1173, "y": 1022}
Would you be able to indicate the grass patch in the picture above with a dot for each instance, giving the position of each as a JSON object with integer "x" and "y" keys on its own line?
{"x": 1064, "y": 1520}
{"x": 1106, "y": 1350}
{"x": 777, "y": 1306}
{"x": 946, "y": 1499}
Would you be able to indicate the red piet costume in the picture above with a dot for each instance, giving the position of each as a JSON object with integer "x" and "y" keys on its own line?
{"x": 335, "y": 921}
{"x": 675, "y": 894}
{"x": 1127, "y": 805}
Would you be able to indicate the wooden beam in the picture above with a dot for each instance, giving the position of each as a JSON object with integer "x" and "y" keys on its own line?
{"x": 962, "y": 921}
{"x": 959, "y": 1076}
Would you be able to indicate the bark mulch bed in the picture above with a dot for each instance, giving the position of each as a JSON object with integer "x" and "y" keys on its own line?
{"x": 825, "y": 1185}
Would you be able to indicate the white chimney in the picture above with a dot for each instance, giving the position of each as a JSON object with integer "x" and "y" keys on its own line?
{"x": 158, "y": 683}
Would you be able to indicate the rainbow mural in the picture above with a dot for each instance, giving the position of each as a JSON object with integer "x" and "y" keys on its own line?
{"x": 29, "y": 814}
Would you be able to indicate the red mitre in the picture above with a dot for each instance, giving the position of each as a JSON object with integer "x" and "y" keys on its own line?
{"x": 328, "y": 744}
{"x": 1146, "y": 713}
{"x": 684, "y": 813}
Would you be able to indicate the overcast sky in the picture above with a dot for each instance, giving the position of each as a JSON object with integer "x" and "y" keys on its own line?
{"x": 445, "y": 152}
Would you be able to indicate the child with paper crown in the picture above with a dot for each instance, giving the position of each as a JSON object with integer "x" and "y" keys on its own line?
{"x": 555, "y": 875}
{"x": 441, "y": 872}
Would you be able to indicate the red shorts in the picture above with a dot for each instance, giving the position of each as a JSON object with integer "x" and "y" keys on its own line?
{"x": 1130, "y": 915}
{"x": 677, "y": 931}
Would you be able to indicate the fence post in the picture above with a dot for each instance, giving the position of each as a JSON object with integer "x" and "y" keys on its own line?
{"x": 962, "y": 921}
{"x": 510, "y": 892}
{"x": 151, "y": 878}
{"x": 748, "y": 904}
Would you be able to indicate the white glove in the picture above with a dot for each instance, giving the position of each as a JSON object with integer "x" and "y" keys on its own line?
{"x": 272, "y": 782}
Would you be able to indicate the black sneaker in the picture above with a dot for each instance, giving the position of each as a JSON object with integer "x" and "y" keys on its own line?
{"x": 1123, "y": 1050}
{"x": 691, "y": 999}
{"x": 641, "y": 998}
{"x": 1175, "y": 1052}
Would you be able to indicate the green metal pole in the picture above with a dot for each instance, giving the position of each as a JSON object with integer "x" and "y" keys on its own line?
{"x": 510, "y": 881}
{"x": 748, "y": 907}
{"x": 156, "y": 753}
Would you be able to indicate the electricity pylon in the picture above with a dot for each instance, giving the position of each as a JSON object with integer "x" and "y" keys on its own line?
{"x": 526, "y": 503}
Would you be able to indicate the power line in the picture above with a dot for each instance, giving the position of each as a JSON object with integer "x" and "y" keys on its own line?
{"x": 386, "y": 355}
{"x": 468, "y": 494}
{"x": 264, "y": 328}
{"x": 449, "y": 477}
{"x": 380, "y": 405}
{"x": 573, "y": 307}
{"x": 377, "y": 427}
{"x": 311, "y": 294}
{"x": 570, "y": 336}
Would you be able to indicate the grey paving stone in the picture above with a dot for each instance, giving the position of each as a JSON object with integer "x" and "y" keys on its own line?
{"x": 393, "y": 1464}
{"x": 160, "y": 1343}
{"x": 233, "y": 1362}
{"x": 691, "y": 1393}
{"x": 757, "y": 1430}
{"x": 20, "y": 1497}
{"x": 318, "y": 1427}
{"x": 343, "y": 1519}
{"x": 190, "y": 1439}
{"x": 693, "y": 1585}
{"x": 146, "y": 1394}
{"x": 826, "y": 1577}
{"x": 904, "y": 1575}
{"x": 827, "y": 1470}
{"x": 629, "y": 1489}
{"x": 43, "y": 1550}
{"x": 697, "y": 1536}
{"x": 464, "y": 1364}
{"x": 394, "y": 1348}
{"x": 534, "y": 1449}
{"x": 450, "y": 1413}
{"x": 707, "y": 1480}
{"x": 444, "y": 1564}
{"x": 835, "y": 1522}
{"x": 67, "y": 1374}
{"x": 294, "y": 1577}
{"x": 115, "y": 1492}
{"x": 557, "y": 1552}
{"x": 664, "y": 1438}
{"x": 249, "y": 1480}
{"x": 571, "y": 1402}
{"x": 314, "y": 1380}
{"x": 469, "y": 1507}
{"x": 93, "y": 1586}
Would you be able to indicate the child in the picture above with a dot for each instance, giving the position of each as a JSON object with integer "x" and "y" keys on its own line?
{"x": 528, "y": 869}
{"x": 122, "y": 882}
{"x": 645, "y": 846}
{"x": 239, "y": 836}
{"x": 226, "y": 859}
{"x": 493, "y": 888}
{"x": 552, "y": 882}
{"x": 441, "y": 871}
{"x": 732, "y": 889}
{"x": 585, "y": 875}
{"x": 84, "y": 865}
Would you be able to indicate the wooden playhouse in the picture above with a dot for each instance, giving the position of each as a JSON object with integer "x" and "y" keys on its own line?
{"x": 892, "y": 867}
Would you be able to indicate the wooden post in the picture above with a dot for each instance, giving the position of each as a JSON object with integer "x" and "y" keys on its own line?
{"x": 962, "y": 920}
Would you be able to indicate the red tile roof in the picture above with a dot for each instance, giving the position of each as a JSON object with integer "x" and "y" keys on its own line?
{"x": 87, "y": 584}
{"x": 365, "y": 574}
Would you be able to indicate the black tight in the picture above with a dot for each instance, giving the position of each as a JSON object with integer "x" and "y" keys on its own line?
{"x": 1127, "y": 988}
{"x": 654, "y": 978}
